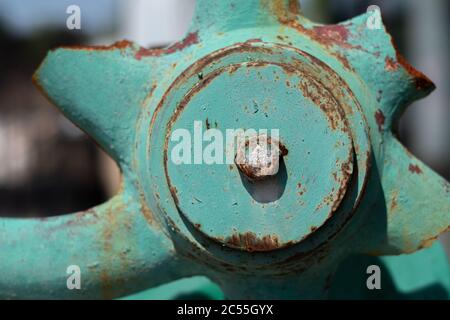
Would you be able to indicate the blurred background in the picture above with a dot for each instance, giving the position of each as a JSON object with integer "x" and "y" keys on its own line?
{"x": 50, "y": 167}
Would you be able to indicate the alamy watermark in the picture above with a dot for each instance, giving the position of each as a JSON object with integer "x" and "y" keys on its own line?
{"x": 374, "y": 21}
{"x": 73, "y": 21}
{"x": 257, "y": 145}
{"x": 374, "y": 280}
{"x": 74, "y": 279}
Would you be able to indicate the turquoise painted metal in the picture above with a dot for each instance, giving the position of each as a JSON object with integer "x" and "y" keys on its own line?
{"x": 346, "y": 186}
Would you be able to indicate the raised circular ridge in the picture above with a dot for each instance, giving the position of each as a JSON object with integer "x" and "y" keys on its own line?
{"x": 253, "y": 238}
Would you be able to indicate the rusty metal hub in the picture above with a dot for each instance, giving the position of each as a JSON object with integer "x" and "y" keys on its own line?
{"x": 315, "y": 172}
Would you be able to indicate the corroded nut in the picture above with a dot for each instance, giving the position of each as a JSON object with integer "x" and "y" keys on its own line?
{"x": 258, "y": 157}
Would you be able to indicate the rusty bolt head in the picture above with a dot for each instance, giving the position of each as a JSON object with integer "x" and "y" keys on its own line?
{"x": 258, "y": 157}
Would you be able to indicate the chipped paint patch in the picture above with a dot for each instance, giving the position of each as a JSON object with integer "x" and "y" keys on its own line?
{"x": 251, "y": 242}
{"x": 191, "y": 39}
{"x": 390, "y": 65}
{"x": 415, "y": 169}
{"x": 380, "y": 118}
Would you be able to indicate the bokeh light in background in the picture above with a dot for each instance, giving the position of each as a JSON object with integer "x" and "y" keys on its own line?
{"x": 48, "y": 166}
{"x": 26, "y": 17}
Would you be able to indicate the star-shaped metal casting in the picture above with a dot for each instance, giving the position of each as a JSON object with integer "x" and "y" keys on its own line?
{"x": 335, "y": 92}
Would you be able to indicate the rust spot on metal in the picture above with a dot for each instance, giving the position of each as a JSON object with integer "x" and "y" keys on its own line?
{"x": 145, "y": 209}
{"x": 390, "y": 65}
{"x": 343, "y": 59}
{"x": 81, "y": 219}
{"x": 278, "y": 8}
{"x": 123, "y": 44}
{"x": 150, "y": 94}
{"x": 421, "y": 81}
{"x": 327, "y": 35}
{"x": 415, "y": 169}
{"x": 251, "y": 243}
{"x": 322, "y": 98}
{"x": 394, "y": 200}
{"x": 191, "y": 39}
{"x": 302, "y": 189}
{"x": 106, "y": 286}
{"x": 233, "y": 68}
{"x": 428, "y": 242}
{"x": 148, "y": 214}
{"x": 347, "y": 172}
{"x": 255, "y": 40}
{"x": 337, "y": 34}
{"x": 110, "y": 286}
{"x": 173, "y": 191}
{"x": 335, "y": 177}
{"x": 380, "y": 119}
